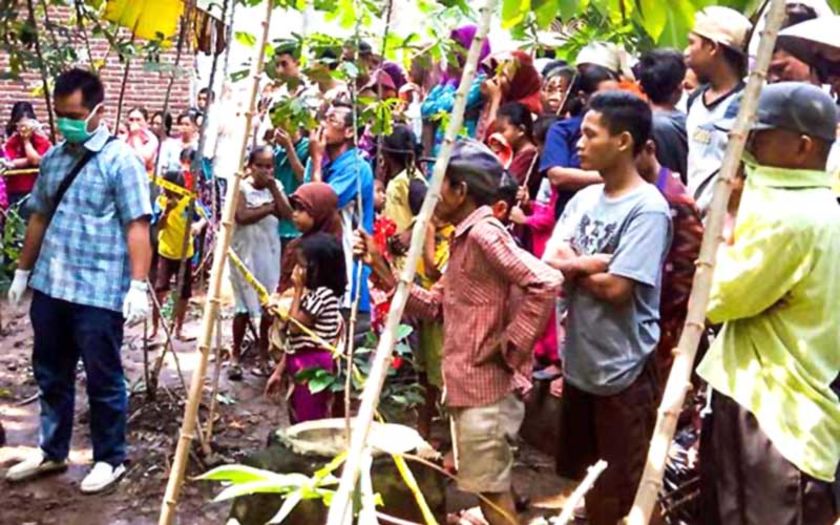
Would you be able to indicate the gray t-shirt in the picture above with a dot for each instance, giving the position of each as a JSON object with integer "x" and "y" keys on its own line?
{"x": 608, "y": 345}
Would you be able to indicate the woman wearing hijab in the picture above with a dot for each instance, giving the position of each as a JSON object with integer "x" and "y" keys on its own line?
{"x": 314, "y": 210}
{"x": 442, "y": 97}
{"x": 515, "y": 79}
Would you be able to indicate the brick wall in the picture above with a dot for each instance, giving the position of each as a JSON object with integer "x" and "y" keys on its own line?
{"x": 144, "y": 88}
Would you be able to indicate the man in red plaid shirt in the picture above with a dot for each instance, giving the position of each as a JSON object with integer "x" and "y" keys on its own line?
{"x": 480, "y": 351}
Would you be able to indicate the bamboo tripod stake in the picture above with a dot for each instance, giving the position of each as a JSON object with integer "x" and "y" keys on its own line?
{"x": 338, "y": 512}
{"x": 211, "y": 306}
{"x": 680, "y": 376}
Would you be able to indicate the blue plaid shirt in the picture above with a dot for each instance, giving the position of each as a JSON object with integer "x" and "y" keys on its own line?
{"x": 84, "y": 254}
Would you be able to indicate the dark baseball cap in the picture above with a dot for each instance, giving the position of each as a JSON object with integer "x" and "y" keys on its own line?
{"x": 794, "y": 106}
{"x": 476, "y": 164}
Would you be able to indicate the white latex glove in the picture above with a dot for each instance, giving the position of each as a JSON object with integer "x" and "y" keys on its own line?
{"x": 136, "y": 306}
{"x": 18, "y": 287}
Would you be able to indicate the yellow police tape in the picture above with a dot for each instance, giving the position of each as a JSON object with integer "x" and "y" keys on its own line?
{"x": 169, "y": 186}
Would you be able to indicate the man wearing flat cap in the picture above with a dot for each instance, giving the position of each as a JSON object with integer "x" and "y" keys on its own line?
{"x": 770, "y": 448}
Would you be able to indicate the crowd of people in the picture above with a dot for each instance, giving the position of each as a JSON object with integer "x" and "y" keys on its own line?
{"x": 562, "y": 250}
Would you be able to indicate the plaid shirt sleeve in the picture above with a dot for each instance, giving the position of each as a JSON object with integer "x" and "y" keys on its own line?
{"x": 427, "y": 304}
{"x": 539, "y": 283}
{"x": 39, "y": 198}
{"x": 131, "y": 189}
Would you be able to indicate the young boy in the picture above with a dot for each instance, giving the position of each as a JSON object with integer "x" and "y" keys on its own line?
{"x": 481, "y": 351}
{"x": 171, "y": 209}
{"x": 610, "y": 245}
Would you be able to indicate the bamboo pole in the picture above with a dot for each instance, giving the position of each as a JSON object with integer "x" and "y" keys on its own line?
{"x": 379, "y": 369}
{"x": 211, "y": 306}
{"x": 679, "y": 380}
{"x": 592, "y": 474}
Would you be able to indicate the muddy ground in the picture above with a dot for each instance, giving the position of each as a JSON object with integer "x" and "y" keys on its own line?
{"x": 245, "y": 419}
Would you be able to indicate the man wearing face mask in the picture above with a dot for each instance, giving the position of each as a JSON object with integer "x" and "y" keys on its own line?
{"x": 770, "y": 448}
{"x": 87, "y": 252}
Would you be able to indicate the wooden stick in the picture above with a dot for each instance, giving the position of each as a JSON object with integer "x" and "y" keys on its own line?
{"x": 679, "y": 380}
{"x": 214, "y": 403}
{"x": 211, "y": 306}
{"x": 379, "y": 368}
{"x": 592, "y": 474}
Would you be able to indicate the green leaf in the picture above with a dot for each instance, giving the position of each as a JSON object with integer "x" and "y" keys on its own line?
{"x": 253, "y": 487}
{"x": 289, "y": 504}
{"x": 680, "y": 20}
{"x": 403, "y": 331}
{"x": 514, "y": 12}
{"x": 545, "y": 11}
{"x": 236, "y": 474}
{"x": 568, "y": 9}
{"x": 652, "y": 17}
{"x": 321, "y": 383}
{"x": 245, "y": 38}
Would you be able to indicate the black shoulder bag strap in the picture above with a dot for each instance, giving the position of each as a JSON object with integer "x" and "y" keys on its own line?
{"x": 68, "y": 180}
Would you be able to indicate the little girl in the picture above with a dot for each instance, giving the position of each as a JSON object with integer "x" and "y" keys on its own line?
{"x": 255, "y": 241}
{"x": 319, "y": 281}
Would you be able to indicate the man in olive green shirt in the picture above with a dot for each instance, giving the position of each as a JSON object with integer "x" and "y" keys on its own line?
{"x": 770, "y": 448}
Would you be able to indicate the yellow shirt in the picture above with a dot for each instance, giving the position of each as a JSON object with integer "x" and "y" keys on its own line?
{"x": 396, "y": 201}
{"x": 777, "y": 289}
{"x": 171, "y": 236}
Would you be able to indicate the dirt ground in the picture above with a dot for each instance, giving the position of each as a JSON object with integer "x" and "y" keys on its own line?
{"x": 245, "y": 419}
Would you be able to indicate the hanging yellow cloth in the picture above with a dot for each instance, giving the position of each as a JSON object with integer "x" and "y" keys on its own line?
{"x": 146, "y": 18}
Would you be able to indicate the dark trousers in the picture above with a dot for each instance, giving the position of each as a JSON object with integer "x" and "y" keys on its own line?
{"x": 64, "y": 332}
{"x": 616, "y": 428}
{"x": 745, "y": 481}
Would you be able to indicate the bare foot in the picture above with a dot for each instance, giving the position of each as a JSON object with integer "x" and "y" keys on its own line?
{"x": 556, "y": 387}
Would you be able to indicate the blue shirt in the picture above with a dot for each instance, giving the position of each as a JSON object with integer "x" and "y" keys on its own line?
{"x": 347, "y": 175}
{"x": 561, "y": 151}
{"x": 84, "y": 254}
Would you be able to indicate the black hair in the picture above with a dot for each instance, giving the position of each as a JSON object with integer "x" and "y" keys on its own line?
{"x": 192, "y": 116}
{"x": 623, "y": 112}
{"x": 553, "y": 65}
{"x": 798, "y": 13}
{"x": 402, "y": 146}
{"x": 252, "y": 156}
{"x": 324, "y": 262}
{"x": 541, "y": 127}
{"x": 661, "y": 73}
{"x": 20, "y": 111}
{"x": 508, "y": 188}
{"x": 187, "y": 155}
{"x": 207, "y": 91}
{"x": 417, "y": 189}
{"x": 143, "y": 111}
{"x": 586, "y": 82}
{"x": 518, "y": 115}
{"x": 167, "y": 120}
{"x": 67, "y": 83}
{"x": 175, "y": 177}
{"x": 288, "y": 47}
{"x": 736, "y": 59}
{"x": 328, "y": 57}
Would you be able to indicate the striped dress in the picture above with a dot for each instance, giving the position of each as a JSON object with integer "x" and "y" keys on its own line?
{"x": 322, "y": 305}
{"x": 305, "y": 353}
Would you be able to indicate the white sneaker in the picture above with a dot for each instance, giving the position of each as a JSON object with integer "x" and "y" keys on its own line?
{"x": 34, "y": 466}
{"x": 101, "y": 476}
